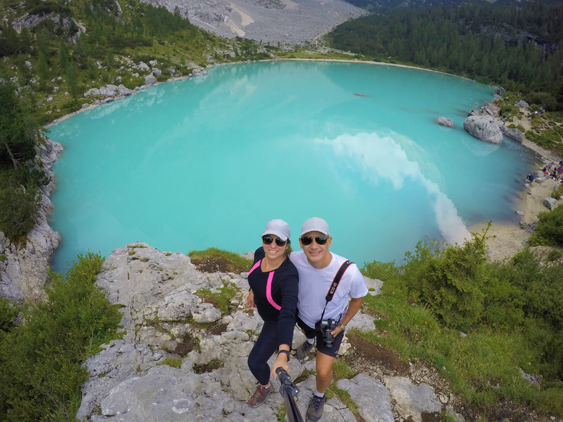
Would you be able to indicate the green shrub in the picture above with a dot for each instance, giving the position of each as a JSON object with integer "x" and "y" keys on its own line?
{"x": 228, "y": 261}
{"x": 20, "y": 199}
{"x": 543, "y": 99}
{"x": 519, "y": 127}
{"x": 549, "y": 230}
{"x": 41, "y": 370}
{"x": 7, "y": 315}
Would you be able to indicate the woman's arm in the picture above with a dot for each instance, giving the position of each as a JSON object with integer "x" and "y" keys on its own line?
{"x": 249, "y": 299}
{"x": 281, "y": 360}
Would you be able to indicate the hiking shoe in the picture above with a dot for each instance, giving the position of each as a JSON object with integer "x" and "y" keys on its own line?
{"x": 259, "y": 395}
{"x": 315, "y": 409}
{"x": 303, "y": 351}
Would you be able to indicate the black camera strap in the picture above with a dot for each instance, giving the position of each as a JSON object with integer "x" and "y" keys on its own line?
{"x": 335, "y": 283}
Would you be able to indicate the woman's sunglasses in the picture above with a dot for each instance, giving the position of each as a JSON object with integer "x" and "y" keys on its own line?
{"x": 307, "y": 240}
{"x": 267, "y": 239}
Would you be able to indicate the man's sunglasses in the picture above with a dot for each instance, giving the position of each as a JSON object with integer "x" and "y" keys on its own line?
{"x": 267, "y": 239}
{"x": 307, "y": 240}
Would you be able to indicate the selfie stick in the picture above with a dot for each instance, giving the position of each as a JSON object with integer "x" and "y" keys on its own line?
{"x": 288, "y": 390}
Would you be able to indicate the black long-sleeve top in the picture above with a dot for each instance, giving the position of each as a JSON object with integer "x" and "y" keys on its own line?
{"x": 284, "y": 290}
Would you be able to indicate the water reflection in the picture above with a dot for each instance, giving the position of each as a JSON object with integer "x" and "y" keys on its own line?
{"x": 382, "y": 158}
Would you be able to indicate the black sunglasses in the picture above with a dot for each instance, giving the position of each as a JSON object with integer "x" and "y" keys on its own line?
{"x": 307, "y": 240}
{"x": 267, "y": 239}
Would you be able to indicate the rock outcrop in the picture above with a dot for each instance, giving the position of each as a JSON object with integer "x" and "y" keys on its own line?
{"x": 483, "y": 128}
{"x": 444, "y": 121}
{"x": 164, "y": 317}
{"x": 522, "y": 104}
{"x": 550, "y": 203}
{"x": 512, "y": 133}
{"x": 23, "y": 268}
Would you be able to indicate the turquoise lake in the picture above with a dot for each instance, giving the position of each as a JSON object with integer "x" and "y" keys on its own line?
{"x": 207, "y": 162}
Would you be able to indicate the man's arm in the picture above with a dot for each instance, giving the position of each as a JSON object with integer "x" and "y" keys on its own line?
{"x": 353, "y": 308}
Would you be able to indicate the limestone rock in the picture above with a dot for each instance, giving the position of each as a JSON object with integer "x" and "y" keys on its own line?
{"x": 150, "y": 80}
{"x": 24, "y": 272}
{"x": 109, "y": 90}
{"x": 156, "y": 72}
{"x": 205, "y": 313}
{"x": 512, "y": 133}
{"x": 483, "y": 128}
{"x": 158, "y": 294}
{"x": 550, "y": 203}
{"x": 522, "y": 104}
{"x": 90, "y": 92}
{"x": 143, "y": 66}
{"x": 444, "y": 121}
{"x": 375, "y": 406}
{"x": 412, "y": 400}
{"x": 122, "y": 90}
{"x": 199, "y": 71}
{"x": 501, "y": 91}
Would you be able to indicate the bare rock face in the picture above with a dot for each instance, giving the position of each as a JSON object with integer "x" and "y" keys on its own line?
{"x": 23, "y": 270}
{"x": 483, "y": 128}
{"x": 164, "y": 318}
{"x": 285, "y": 21}
{"x": 444, "y": 121}
{"x": 512, "y": 133}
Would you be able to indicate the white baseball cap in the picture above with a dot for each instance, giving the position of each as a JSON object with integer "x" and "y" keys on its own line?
{"x": 278, "y": 227}
{"x": 314, "y": 224}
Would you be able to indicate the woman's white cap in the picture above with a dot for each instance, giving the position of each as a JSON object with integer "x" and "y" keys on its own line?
{"x": 278, "y": 227}
{"x": 314, "y": 224}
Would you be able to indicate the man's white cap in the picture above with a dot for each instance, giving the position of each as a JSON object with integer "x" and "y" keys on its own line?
{"x": 315, "y": 224}
{"x": 278, "y": 227}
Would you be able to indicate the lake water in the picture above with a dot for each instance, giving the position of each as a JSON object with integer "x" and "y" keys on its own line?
{"x": 208, "y": 161}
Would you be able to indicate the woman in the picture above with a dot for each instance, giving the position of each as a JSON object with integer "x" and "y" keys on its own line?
{"x": 273, "y": 281}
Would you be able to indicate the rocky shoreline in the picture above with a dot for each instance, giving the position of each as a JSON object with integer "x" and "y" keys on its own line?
{"x": 507, "y": 239}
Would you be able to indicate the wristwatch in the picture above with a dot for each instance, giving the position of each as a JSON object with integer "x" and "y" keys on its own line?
{"x": 343, "y": 326}
{"x": 286, "y": 352}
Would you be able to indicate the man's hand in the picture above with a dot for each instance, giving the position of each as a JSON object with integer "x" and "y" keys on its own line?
{"x": 249, "y": 300}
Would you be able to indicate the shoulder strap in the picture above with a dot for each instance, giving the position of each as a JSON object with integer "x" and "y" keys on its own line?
{"x": 337, "y": 279}
{"x": 335, "y": 283}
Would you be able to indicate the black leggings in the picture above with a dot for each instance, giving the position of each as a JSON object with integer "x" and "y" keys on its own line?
{"x": 264, "y": 348}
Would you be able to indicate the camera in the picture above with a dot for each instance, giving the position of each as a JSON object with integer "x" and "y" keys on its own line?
{"x": 326, "y": 326}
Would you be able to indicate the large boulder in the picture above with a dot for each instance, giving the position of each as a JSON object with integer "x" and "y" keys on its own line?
{"x": 483, "y": 128}
{"x": 522, "y": 104}
{"x": 109, "y": 91}
{"x": 512, "y": 133}
{"x": 444, "y": 121}
{"x": 550, "y": 203}
{"x": 122, "y": 90}
{"x": 143, "y": 66}
{"x": 150, "y": 80}
{"x": 156, "y": 72}
{"x": 93, "y": 91}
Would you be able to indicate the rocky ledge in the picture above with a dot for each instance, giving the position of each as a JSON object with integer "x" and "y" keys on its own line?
{"x": 182, "y": 358}
{"x": 23, "y": 268}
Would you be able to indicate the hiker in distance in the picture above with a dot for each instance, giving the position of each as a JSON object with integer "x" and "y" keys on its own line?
{"x": 273, "y": 281}
{"x": 331, "y": 291}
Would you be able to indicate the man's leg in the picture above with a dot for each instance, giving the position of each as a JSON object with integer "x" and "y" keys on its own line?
{"x": 324, "y": 378}
{"x": 324, "y": 371}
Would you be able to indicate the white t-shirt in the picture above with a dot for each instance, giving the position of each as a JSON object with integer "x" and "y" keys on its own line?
{"x": 314, "y": 285}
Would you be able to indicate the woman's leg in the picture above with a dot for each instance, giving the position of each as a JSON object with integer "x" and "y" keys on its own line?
{"x": 264, "y": 348}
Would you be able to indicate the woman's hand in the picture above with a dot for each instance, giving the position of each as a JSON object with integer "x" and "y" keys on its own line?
{"x": 249, "y": 299}
{"x": 281, "y": 361}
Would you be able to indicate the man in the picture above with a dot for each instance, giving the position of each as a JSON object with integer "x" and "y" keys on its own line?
{"x": 317, "y": 268}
